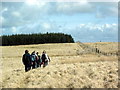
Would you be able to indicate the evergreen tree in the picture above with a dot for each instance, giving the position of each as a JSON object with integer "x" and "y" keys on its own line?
{"x": 24, "y": 39}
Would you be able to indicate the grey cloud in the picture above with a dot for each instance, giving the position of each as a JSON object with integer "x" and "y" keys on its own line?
{"x": 33, "y": 13}
{"x": 73, "y": 8}
{"x": 106, "y": 9}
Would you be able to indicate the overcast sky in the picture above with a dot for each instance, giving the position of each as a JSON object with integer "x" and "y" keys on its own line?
{"x": 85, "y": 21}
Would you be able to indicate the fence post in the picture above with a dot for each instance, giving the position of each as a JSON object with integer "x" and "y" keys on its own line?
{"x": 96, "y": 50}
{"x": 111, "y": 54}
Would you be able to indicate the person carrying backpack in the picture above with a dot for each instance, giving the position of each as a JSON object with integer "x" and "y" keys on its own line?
{"x": 45, "y": 59}
{"x": 26, "y": 59}
{"x": 39, "y": 60}
{"x": 34, "y": 59}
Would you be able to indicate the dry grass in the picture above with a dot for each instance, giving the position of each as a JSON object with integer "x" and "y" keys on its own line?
{"x": 105, "y": 46}
{"x": 67, "y": 69}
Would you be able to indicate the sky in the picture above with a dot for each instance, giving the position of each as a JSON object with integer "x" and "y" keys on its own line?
{"x": 85, "y": 21}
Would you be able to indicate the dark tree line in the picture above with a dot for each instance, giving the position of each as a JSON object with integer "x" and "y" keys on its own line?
{"x": 24, "y": 39}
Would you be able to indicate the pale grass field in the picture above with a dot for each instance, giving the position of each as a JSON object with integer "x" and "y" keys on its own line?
{"x": 108, "y": 46}
{"x": 67, "y": 69}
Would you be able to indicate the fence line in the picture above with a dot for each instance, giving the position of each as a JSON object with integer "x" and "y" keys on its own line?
{"x": 89, "y": 49}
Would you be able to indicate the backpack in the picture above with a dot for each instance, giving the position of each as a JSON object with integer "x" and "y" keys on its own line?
{"x": 33, "y": 57}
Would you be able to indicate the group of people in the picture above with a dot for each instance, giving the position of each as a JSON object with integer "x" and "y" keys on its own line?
{"x": 34, "y": 60}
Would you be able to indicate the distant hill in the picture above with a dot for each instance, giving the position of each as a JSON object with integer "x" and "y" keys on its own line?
{"x": 24, "y": 39}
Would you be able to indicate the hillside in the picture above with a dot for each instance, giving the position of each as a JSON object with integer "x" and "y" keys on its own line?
{"x": 70, "y": 66}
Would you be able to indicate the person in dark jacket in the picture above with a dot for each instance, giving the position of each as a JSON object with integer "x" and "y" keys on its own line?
{"x": 26, "y": 59}
{"x": 39, "y": 60}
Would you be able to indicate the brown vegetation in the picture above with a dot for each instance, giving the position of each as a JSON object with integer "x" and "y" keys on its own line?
{"x": 70, "y": 67}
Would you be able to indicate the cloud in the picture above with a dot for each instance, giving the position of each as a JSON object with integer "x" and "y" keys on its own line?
{"x": 46, "y": 26}
{"x": 66, "y": 17}
{"x": 4, "y": 10}
{"x": 35, "y": 3}
{"x": 73, "y": 8}
{"x": 25, "y": 13}
{"x": 31, "y": 2}
{"x": 102, "y": 32}
{"x": 2, "y": 20}
{"x": 82, "y": 25}
{"x": 16, "y": 14}
{"x": 14, "y": 30}
{"x": 81, "y": 32}
{"x": 106, "y": 9}
{"x": 94, "y": 32}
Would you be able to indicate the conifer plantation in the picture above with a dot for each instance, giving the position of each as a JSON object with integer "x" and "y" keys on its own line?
{"x": 25, "y": 39}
